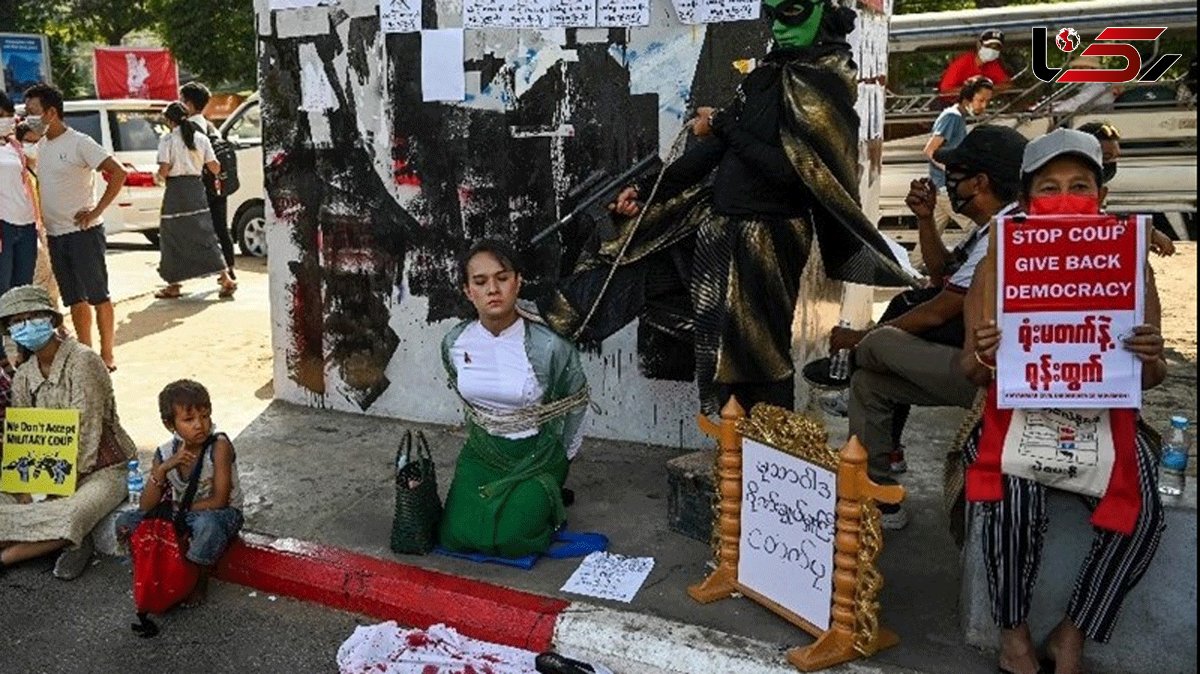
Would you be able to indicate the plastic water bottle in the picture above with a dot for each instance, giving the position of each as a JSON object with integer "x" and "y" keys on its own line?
{"x": 839, "y": 363}
{"x": 1172, "y": 471}
{"x": 134, "y": 482}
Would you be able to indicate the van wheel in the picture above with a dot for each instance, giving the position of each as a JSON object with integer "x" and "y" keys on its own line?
{"x": 251, "y": 231}
{"x": 152, "y": 237}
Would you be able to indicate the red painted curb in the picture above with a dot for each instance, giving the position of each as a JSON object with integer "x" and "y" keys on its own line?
{"x": 388, "y": 590}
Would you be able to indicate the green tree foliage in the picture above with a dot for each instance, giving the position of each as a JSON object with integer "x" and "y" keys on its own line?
{"x": 214, "y": 39}
{"x": 111, "y": 20}
{"x": 52, "y": 19}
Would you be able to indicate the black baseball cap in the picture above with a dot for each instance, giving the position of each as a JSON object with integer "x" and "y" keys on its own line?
{"x": 992, "y": 36}
{"x": 988, "y": 148}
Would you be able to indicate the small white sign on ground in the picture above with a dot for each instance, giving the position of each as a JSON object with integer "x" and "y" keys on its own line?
{"x": 609, "y": 576}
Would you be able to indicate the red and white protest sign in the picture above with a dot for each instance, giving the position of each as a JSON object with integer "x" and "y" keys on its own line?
{"x": 135, "y": 72}
{"x": 1069, "y": 289}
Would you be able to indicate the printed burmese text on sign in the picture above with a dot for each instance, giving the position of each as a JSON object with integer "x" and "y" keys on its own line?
{"x": 41, "y": 448}
{"x": 1069, "y": 290}
{"x": 788, "y": 524}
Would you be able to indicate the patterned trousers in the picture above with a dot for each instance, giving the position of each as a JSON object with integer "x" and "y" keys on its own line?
{"x": 1014, "y": 531}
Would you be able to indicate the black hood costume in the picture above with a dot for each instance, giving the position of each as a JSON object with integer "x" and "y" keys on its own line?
{"x": 717, "y": 256}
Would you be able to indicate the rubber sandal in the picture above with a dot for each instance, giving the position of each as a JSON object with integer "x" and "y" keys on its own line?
{"x": 227, "y": 290}
{"x": 168, "y": 294}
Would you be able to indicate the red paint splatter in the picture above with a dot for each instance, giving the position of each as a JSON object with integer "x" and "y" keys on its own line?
{"x": 402, "y": 173}
{"x": 417, "y": 639}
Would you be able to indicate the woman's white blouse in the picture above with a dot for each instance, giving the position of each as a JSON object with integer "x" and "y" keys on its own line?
{"x": 494, "y": 370}
{"x": 183, "y": 161}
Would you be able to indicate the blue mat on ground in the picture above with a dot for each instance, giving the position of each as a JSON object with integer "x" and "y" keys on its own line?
{"x": 567, "y": 544}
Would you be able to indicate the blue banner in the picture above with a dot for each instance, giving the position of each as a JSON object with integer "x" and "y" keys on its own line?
{"x": 26, "y": 61}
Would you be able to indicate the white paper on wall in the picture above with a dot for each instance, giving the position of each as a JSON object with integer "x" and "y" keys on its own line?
{"x": 399, "y": 16}
{"x": 718, "y": 11}
{"x": 316, "y": 93}
{"x": 293, "y": 4}
{"x": 442, "y": 73}
{"x": 573, "y": 14}
{"x": 622, "y": 13}
{"x": 507, "y": 13}
{"x": 686, "y": 10}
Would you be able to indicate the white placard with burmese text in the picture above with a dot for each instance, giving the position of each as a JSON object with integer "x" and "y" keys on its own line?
{"x": 788, "y": 522}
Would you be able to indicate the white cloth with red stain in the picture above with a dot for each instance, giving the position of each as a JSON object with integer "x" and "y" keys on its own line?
{"x": 387, "y": 648}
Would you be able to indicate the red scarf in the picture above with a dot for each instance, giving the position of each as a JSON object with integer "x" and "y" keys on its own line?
{"x": 1122, "y": 501}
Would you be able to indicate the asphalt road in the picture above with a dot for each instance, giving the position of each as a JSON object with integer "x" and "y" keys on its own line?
{"x": 50, "y": 626}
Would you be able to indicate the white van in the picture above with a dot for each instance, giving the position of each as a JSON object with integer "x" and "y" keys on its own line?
{"x": 244, "y": 130}
{"x": 129, "y": 129}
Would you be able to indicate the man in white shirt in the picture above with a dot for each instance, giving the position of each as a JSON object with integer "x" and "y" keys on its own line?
{"x": 911, "y": 357}
{"x": 68, "y": 161}
{"x": 195, "y": 97}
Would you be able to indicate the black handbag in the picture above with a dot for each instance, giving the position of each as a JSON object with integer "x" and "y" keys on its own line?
{"x": 418, "y": 506}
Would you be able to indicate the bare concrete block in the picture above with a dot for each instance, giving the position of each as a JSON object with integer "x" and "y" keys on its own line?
{"x": 691, "y": 494}
{"x": 1156, "y": 630}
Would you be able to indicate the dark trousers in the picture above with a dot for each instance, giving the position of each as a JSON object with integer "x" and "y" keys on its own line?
{"x": 218, "y": 207}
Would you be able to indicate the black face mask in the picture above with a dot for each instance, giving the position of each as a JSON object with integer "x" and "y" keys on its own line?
{"x": 1108, "y": 172}
{"x": 957, "y": 203}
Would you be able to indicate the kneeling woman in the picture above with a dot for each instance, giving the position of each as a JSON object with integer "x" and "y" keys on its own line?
{"x": 525, "y": 397}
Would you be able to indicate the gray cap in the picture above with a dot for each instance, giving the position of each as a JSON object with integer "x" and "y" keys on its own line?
{"x": 1061, "y": 142}
{"x": 24, "y": 300}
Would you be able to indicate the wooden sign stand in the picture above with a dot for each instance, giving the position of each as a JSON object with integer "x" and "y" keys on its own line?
{"x": 854, "y": 631}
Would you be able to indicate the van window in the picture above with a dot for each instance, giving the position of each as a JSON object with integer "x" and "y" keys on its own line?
{"x": 137, "y": 130}
{"x": 86, "y": 121}
{"x": 247, "y": 128}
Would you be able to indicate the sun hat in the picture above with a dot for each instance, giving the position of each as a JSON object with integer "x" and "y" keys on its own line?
{"x": 25, "y": 300}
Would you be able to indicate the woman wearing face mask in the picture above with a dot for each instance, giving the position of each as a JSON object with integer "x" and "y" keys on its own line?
{"x": 60, "y": 373}
{"x": 525, "y": 397}
{"x": 18, "y": 207}
{"x": 1061, "y": 174}
{"x": 188, "y": 245}
{"x": 985, "y": 61}
{"x": 1110, "y": 146}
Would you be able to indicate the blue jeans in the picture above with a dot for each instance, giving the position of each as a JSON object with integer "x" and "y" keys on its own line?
{"x": 211, "y": 532}
{"x": 18, "y": 256}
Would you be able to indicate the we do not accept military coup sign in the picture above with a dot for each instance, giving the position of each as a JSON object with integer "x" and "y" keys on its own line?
{"x": 1069, "y": 289}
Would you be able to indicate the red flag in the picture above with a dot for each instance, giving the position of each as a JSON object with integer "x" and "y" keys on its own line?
{"x": 135, "y": 72}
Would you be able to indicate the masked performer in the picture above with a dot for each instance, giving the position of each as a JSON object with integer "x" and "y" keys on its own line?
{"x": 718, "y": 261}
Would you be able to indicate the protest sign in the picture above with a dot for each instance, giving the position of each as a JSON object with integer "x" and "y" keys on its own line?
{"x": 1069, "y": 290}
{"x": 41, "y": 448}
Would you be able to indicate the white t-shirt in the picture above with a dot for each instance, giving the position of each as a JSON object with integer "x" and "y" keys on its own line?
{"x": 16, "y": 208}
{"x": 976, "y": 247}
{"x": 67, "y": 179}
{"x": 184, "y": 162}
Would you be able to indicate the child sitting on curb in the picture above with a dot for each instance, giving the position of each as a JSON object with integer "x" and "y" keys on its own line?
{"x": 216, "y": 513}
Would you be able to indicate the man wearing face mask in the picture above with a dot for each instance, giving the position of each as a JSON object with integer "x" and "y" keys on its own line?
{"x": 68, "y": 161}
{"x": 911, "y": 356}
{"x": 715, "y": 264}
{"x": 948, "y": 131}
{"x": 985, "y": 60}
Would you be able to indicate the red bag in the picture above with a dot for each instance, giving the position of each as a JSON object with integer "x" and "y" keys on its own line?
{"x": 162, "y": 575}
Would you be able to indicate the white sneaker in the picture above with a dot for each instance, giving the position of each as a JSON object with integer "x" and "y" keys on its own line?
{"x": 72, "y": 562}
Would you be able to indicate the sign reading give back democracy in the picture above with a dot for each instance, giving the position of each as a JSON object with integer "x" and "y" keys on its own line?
{"x": 1069, "y": 290}
{"x": 41, "y": 448}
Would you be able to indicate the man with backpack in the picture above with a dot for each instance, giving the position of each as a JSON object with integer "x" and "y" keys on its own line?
{"x": 195, "y": 97}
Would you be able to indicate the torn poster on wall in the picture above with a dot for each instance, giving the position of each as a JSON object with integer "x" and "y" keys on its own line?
{"x": 399, "y": 16}
{"x": 378, "y": 191}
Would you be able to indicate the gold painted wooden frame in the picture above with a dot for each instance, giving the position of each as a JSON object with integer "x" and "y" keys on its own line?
{"x": 854, "y": 631}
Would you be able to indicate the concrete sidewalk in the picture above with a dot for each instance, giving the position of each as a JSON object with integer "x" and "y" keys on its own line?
{"x": 325, "y": 477}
